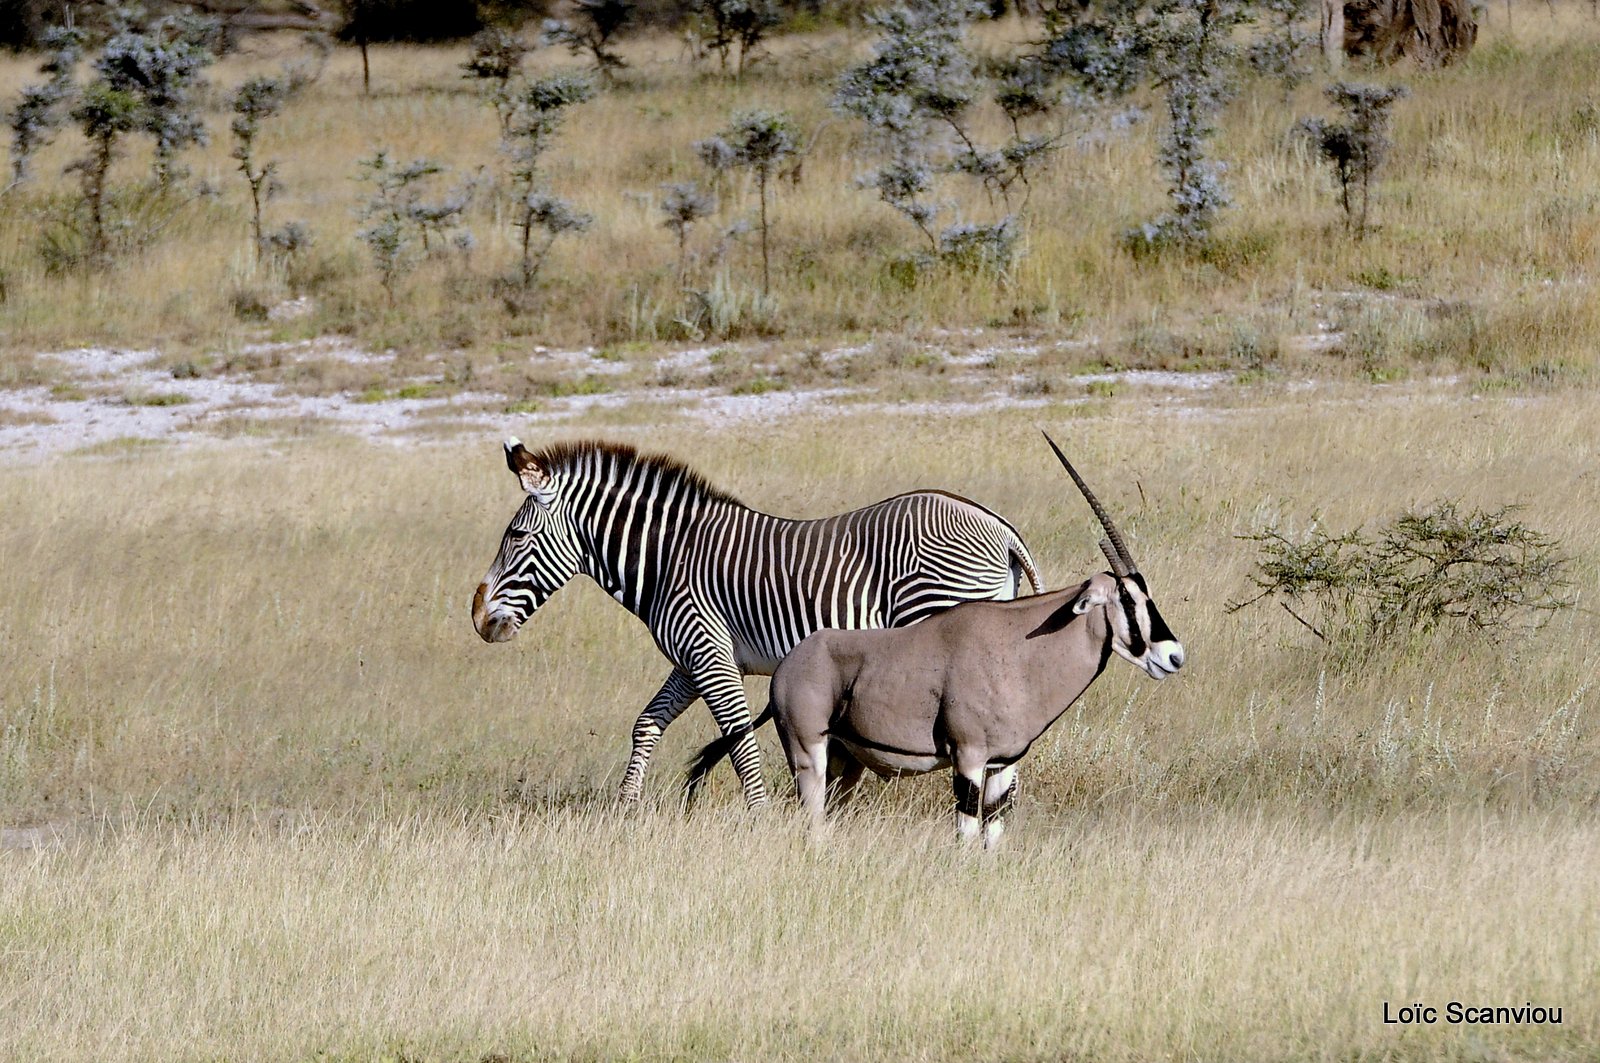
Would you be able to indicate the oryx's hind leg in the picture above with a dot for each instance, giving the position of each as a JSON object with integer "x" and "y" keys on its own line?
{"x": 998, "y": 790}
{"x": 808, "y": 760}
{"x": 675, "y": 695}
{"x": 806, "y": 749}
{"x": 844, "y": 775}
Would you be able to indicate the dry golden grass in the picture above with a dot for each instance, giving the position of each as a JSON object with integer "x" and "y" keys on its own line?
{"x": 308, "y": 812}
{"x": 575, "y": 934}
{"x": 1488, "y": 207}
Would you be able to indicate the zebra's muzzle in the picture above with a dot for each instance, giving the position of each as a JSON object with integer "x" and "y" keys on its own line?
{"x": 492, "y": 626}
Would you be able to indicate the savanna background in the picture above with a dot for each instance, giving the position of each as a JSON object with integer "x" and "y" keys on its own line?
{"x": 265, "y": 795}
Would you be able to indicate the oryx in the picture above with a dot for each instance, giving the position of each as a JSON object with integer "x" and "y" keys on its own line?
{"x": 971, "y": 687}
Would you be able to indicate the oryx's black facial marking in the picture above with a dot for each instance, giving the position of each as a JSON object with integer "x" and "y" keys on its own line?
{"x": 1136, "y": 645}
{"x": 1159, "y": 631}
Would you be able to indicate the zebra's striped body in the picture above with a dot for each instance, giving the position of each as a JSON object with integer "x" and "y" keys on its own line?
{"x": 726, "y": 590}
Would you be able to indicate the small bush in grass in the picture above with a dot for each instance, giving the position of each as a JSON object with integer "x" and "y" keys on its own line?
{"x": 1357, "y": 146}
{"x": 685, "y": 205}
{"x": 1471, "y": 570}
{"x": 594, "y": 30}
{"x": 399, "y": 217}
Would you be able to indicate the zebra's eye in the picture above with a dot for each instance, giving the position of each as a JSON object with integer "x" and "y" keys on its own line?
{"x": 517, "y": 535}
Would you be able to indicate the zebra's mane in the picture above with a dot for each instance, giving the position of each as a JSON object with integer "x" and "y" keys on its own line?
{"x": 565, "y": 456}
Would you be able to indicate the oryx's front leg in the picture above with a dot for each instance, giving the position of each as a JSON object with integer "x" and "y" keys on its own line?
{"x": 998, "y": 790}
{"x": 967, "y": 778}
{"x": 675, "y": 695}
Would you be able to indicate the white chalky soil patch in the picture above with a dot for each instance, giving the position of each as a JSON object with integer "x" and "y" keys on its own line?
{"x": 107, "y": 395}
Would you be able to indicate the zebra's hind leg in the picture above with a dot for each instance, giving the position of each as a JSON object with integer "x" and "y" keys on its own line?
{"x": 722, "y": 686}
{"x": 675, "y": 695}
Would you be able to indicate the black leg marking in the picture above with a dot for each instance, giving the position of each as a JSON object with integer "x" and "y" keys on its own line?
{"x": 1001, "y": 803}
{"x": 969, "y": 796}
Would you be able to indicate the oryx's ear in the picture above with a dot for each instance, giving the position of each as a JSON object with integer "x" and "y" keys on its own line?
{"x": 1085, "y": 599}
{"x": 534, "y": 477}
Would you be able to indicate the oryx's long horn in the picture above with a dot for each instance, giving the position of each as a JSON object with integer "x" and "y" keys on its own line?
{"x": 1116, "y": 550}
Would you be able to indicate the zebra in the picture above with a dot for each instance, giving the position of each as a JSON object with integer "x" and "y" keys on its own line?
{"x": 726, "y": 590}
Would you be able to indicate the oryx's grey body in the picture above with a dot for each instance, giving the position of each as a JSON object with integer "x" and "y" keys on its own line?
{"x": 726, "y": 590}
{"x": 971, "y": 688}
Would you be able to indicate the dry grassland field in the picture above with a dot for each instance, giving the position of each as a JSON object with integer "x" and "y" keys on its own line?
{"x": 266, "y": 795}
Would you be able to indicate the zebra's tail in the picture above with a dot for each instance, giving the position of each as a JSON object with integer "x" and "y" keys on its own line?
{"x": 701, "y": 763}
{"x": 1022, "y": 563}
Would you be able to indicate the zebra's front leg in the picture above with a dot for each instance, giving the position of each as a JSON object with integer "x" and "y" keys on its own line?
{"x": 722, "y": 685}
{"x": 675, "y": 695}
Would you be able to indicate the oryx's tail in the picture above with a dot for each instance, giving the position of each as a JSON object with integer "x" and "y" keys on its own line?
{"x": 701, "y": 763}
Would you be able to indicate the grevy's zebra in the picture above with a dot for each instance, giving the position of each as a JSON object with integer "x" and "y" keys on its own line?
{"x": 728, "y": 591}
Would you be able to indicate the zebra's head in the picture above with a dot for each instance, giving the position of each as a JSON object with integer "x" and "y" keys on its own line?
{"x": 538, "y": 553}
{"x": 1138, "y": 633}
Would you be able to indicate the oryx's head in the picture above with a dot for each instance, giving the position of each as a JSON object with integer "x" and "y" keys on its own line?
{"x": 538, "y": 553}
{"x": 1138, "y": 634}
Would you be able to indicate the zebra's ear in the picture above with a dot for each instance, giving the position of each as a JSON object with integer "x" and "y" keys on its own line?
{"x": 535, "y": 479}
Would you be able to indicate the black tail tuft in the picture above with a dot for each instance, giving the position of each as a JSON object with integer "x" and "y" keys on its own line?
{"x": 701, "y": 763}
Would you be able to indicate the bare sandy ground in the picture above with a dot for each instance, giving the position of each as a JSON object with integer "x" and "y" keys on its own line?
{"x": 105, "y": 396}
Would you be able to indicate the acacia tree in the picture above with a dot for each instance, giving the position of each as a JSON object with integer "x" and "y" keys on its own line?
{"x": 1193, "y": 56}
{"x": 104, "y": 113}
{"x": 917, "y": 95}
{"x": 41, "y": 109}
{"x": 160, "y": 69}
{"x": 257, "y": 99}
{"x": 496, "y": 58}
{"x": 735, "y": 23}
{"x": 598, "y": 22}
{"x": 758, "y": 141}
{"x": 541, "y": 107}
{"x": 1186, "y": 50}
{"x": 399, "y": 217}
